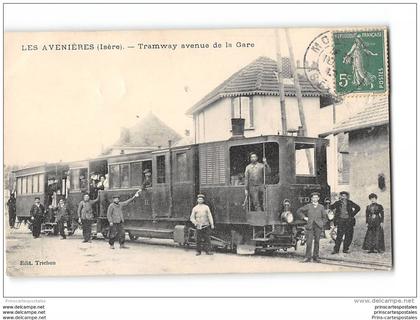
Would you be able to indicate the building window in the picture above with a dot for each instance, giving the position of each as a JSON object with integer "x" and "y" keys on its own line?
{"x": 381, "y": 182}
{"x": 242, "y": 107}
{"x": 305, "y": 159}
{"x": 181, "y": 173}
{"x": 161, "y": 169}
{"x": 343, "y": 158}
{"x": 136, "y": 174}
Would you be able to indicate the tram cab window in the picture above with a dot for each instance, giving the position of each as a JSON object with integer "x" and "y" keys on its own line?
{"x": 240, "y": 158}
{"x": 305, "y": 159}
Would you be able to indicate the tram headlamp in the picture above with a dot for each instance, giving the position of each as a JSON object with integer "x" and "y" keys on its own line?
{"x": 287, "y": 216}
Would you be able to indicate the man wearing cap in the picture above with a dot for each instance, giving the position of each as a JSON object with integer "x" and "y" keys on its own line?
{"x": 344, "y": 218}
{"x": 85, "y": 214}
{"x": 203, "y": 220}
{"x": 315, "y": 216}
{"x": 11, "y": 205}
{"x": 116, "y": 220}
{"x": 37, "y": 216}
{"x": 147, "y": 182}
{"x": 254, "y": 181}
{"x": 62, "y": 216}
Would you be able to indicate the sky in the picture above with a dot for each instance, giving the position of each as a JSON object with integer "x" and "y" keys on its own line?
{"x": 68, "y": 105}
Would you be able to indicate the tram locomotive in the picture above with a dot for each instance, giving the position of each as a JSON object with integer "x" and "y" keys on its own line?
{"x": 216, "y": 169}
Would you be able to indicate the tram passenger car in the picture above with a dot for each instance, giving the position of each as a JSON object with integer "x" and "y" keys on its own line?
{"x": 83, "y": 177}
{"x": 216, "y": 169}
{"x": 49, "y": 183}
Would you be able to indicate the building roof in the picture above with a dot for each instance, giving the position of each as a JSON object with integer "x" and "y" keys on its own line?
{"x": 257, "y": 78}
{"x": 375, "y": 114}
{"x": 150, "y": 131}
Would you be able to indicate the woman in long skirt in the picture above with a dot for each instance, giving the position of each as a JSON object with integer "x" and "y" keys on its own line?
{"x": 374, "y": 239}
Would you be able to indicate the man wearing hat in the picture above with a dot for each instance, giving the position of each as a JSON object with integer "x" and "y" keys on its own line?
{"x": 147, "y": 182}
{"x": 203, "y": 220}
{"x": 254, "y": 181}
{"x": 315, "y": 215}
{"x": 344, "y": 218}
{"x": 85, "y": 214}
{"x": 11, "y": 205}
{"x": 116, "y": 220}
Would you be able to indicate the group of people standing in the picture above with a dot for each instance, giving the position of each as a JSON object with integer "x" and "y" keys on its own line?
{"x": 344, "y": 219}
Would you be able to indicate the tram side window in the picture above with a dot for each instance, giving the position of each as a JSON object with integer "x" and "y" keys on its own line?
{"x": 240, "y": 159}
{"x": 114, "y": 171}
{"x": 136, "y": 174}
{"x": 24, "y": 185}
{"x": 41, "y": 183}
{"x": 35, "y": 184}
{"x": 161, "y": 169}
{"x": 305, "y": 159}
{"x": 29, "y": 186}
{"x": 19, "y": 186}
{"x": 181, "y": 172}
{"x": 125, "y": 175}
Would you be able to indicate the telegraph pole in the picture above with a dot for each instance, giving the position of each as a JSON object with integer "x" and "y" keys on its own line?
{"x": 299, "y": 98}
{"x": 281, "y": 85}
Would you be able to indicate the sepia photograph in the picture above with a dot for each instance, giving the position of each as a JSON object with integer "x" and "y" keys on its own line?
{"x": 197, "y": 151}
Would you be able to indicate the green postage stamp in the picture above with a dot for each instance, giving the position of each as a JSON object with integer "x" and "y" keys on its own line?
{"x": 360, "y": 62}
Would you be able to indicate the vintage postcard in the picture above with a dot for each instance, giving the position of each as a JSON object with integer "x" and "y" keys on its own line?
{"x": 197, "y": 151}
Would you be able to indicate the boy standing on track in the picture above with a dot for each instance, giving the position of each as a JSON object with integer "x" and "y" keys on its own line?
{"x": 203, "y": 220}
{"x": 116, "y": 220}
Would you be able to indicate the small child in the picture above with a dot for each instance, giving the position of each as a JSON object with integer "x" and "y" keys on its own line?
{"x": 203, "y": 220}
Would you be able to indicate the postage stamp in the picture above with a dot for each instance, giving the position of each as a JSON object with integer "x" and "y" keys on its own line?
{"x": 359, "y": 61}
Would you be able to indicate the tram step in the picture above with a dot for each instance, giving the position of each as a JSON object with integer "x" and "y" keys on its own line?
{"x": 151, "y": 230}
{"x": 151, "y": 233}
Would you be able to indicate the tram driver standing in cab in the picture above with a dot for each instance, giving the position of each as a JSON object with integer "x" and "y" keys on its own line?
{"x": 255, "y": 180}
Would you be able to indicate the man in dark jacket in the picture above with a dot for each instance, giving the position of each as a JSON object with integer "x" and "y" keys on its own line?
{"x": 11, "y": 205}
{"x": 115, "y": 218}
{"x": 85, "y": 214}
{"x": 62, "y": 216}
{"x": 344, "y": 218}
{"x": 37, "y": 216}
{"x": 315, "y": 215}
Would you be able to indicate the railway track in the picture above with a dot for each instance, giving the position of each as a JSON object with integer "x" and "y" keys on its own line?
{"x": 364, "y": 265}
